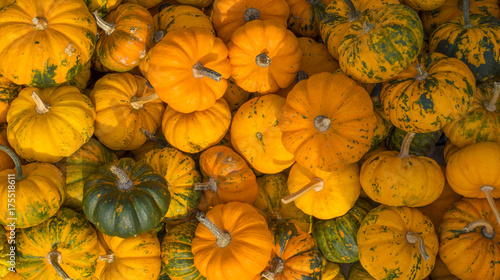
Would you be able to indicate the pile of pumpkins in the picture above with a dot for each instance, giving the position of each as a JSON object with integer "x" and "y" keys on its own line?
{"x": 249, "y": 139}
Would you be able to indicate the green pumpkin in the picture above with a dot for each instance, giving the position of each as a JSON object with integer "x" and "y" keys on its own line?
{"x": 421, "y": 145}
{"x": 125, "y": 199}
{"x": 80, "y": 165}
{"x": 358, "y": 272}
{"x": 336, "y": 238}
{"x": 176, "y": 256}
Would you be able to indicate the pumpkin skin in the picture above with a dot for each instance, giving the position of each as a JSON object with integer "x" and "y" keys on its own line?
{"x": 55, "y": 132}
{"x": 199, "y": 130}
{"x": 420, "y": 103}
{"x": 470, "y": 255}
{"x": 102, "y": 6}
{"x": 129, "y": 206}
{"x": 384, "y": 250}
{"x": 12, "y": 276}
{"x": 256, "y": 135}
{"x": 5, "y": 161}
{"x": 131, "y": 258}
{"x": 171, "y": 63}
{"x": 305, "y": 16}
{"x": 264, "y": 56}
{"x": 180, "y": 173}
{"x": 144, "y": 3}
{"x": 120, "y": 113}
{"x": 449, "y": 150}
{"x": 424, "y": 5}
{"x": 229, "y": 15}
{"x": 81, "y": 79}
{"x": 56, "y": 51}
{"x": 68, "y": 233}
{"x": 249, "y": 233}
{"x": 336, "y": 238}
{"x": 331, "y": 271}
{"x": 337, "y": 140}
{"x": 441, "y": 271}
{"x": 422, "y": 144}
{"x": 197, "y": 3}
{"x": 357, "y": 272}
{"x": 8, "y": 92}
{"x": 234, "y": 95}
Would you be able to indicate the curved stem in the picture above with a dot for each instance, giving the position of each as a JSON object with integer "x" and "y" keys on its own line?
{"x": 109, "y": 257}
{"x": 263, "y": 60}
{"x": 210, "y": 185}
{"x": 491, "y": 201}
{"x": 301, "y": 75}
{"x": 276, "y": 216}
{"x": 17, "y": 162}
{"x": 200, "y": 71}
{"x": 277, "y": 266}
{"x": 251, "y": 14}
{"x": 223, "y": 238}
{"x": 412, "y": 238}
{"x": 367, "y": 27}
{"x": 487, "y": 229}
{"x": 41, "y": 107}
{"x": 466, "y": 11}
{"x": 40, "y": 23}
{"x": 316, "y": 184}
{"x": 138, "y": 102}
{"x": 153, "y": 138}
{"x": 421, "y": 73}
{"x": 123, "y": 183}
{"x": 158, "y": 35}
{"x": 322, "y": 123}
{"x": 490, "y": 105}
{"x": 354, "y": 15}
{"x": 106, "y": 26}
{"x": 54, "y": 258}
{"x": 405, "y": 147}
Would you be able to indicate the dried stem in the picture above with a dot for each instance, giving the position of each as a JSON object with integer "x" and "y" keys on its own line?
{"x": 491, "y": 201}
{"x": 466, "y": 11}
{"x": 17, "y": 162}
{"x": 354, "y": 15}
{"x": 412, "y": 238}
{"x": 263, "y": 60}
{"x": 138, "y": 102}
{"x": 322, "y": 123}
{"x": 490, "y": 105}
{"x": 210, "y": 185}
{"x": 124, "y": 183}
{"x": 109, "y": 257}
{"x": 316, "y": 184}
{"x": 223, "y": 238}
{"x": 106, "y": 26}
{"x": 54, "y": 258}
{"x": 40, "y": 23}
{"x": 251, "y": 14}
{"x": 405, "y": 147}
{"x": 487, "y": 229}
{"x": 277, "y": 266}
{"x": 421, "y": 73}
{"x": 200, "y": 71}
{"x": 41, "y": 107}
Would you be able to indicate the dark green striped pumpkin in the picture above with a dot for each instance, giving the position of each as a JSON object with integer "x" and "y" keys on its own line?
{"x": 336, "y": 238}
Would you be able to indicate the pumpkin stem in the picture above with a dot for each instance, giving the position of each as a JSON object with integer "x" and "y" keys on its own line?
{"x": 138, "y": 102}
{"x": 421, "y": 73}
{"x": 276, "y": 217}
{"x": 301, "y": 75}
{"x": 200, "y": 71}
{"x": 106, "y": 26}
{"x": 412, "y": 238}
{"x": 40, "y": 23}
{"x": 316, "y": 184}
{"x": 210, "y": 185}
{"x": 322, "y": 123}
{"x": 41, "y": 107}
{"x": 354, "y": 14}
{"x": 54, "y": 258}
{"x": 491, "y": 201}
{"x": 17, "y": 162}
{"x": 263, "y": 60}
{"x": 490, "y": 105}
{"x": 158, "y": 35}
{"x": 277, "y": 265}
{"x": 123, "y": 183}
{"x": 109, "y": 257}
{"x": 466, "y": 11}
{"x": 223, "y": 238}
{"x": 251, "y": 14}
{"x": 367, "y": 27}
{"x": 405, "y": 147}
{"x": 153, "y": 138}
{"x": 487, "y": 229}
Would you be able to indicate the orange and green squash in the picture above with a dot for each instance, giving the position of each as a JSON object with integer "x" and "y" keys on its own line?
{"x": 8, "y": 92}
{"x": 103, "y": 7}
{"x": 144, "y": 3}
{"x": 423, "y": 5}
{"x": 6, "y": 161}
{"x": 422, "y": 144}
{"x": 358, "y": 272}
{"x": 234, "y": 95}
{"x": 331, "y": 271}
{"x": 305, "y": 16}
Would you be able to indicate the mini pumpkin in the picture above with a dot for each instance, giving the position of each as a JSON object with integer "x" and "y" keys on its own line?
{"x": 8, "y": 92}
{"x": 305, "y": 16}
{"x": 102, "y": 6}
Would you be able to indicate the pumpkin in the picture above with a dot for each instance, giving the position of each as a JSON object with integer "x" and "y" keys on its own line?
{"x": 472, "y": 38}
{"x": 226, "y": 177}
{"x": 305, "y": 16}
{"x": 125, "y": 104}
{"x": 357, "y": 272}
{"x": 176, "y": 255}
{"x": 81, "y": 79}
{"x": 155, "y": 141}
{"x": 383, "y": 129}
{"x": 12, "y": 276}
{"x": 197, "y": 3}
{"x": 54, "y": 50}
{"x": 336, "y": 237}
{"x": 144, "y": 3}
{"x": 49, "y": 124}
{"x": 180, "y": 172}
{"x": 65, "y": 246}
{"x": 422, "y": 144}
{"x": 136, "y": 257}
{"x": 449, "y": 150}
{"x": 334, "y": 192}
{"x": 8, "y": 92}
{"x": 327, "y": 122}
{"x": 422, "y": 99}
{"x": 331, "y": 271}
{"x": 424, "y": 5}
{"x": 126, "y": 198}
{"x": 199, "y": 130}
{"x": 397, "y": 242}
{"x": 294, "y": 255}
{"x": 272, "y": 188}
{"x": 80, "y": 165}
{"x": 5, "y": 161}
{"x": 469, "y": 240}
{"x": 441, "y": 271}
{"x": 103, "y": 7}
{"x": 188, "y": 69}
{"x": 481, "y": 123}
{"x": 234, "y": 95}
{"x": 256, "y": 135}
{"x": 264, "y": 56}
{"x": 229, "y": 15}
{"x": 226, "y": 231}
{"x": 6, "y": 263}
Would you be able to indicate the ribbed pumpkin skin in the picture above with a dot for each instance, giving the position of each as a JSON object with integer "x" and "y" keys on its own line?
{"x": 176, "y": 256}
{"x": 197, "y": 3}
{"x": 180, "y": 16}
{"x": 125, "y": 213}
{"x": 331, "y": 271}
{"x": 441, "y": 271}
{"x": 180, "y": 173}
{"x": 8, "y": 92}
{"x": 428, "y": 105}
{"x": 386, "y": 50}
{"x": 305, "y": 16}
{"x": 234, "y": 95}
{"x": 103, "y": 6}
{"x": 470, "y": 255}
{"x": 49, "y": 57}
{"x": 383, "y": 249}
{"x": 144, "y": 3}
{"x": 66, "y": 232}
{"x": 423, "y": 5}
{"x": 421, "y": 145}
{"x": 61, "y": 131}
{"x": 478, "y": 124}
{"x": 5, "y": 161}
{"x": 77, "y": 167}
{"x": 357, "y": 272}
{"x": 336, "y": 238}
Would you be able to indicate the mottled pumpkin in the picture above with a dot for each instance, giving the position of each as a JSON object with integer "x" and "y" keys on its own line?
{"x": 331, "y": 271}
{"x": 8, "y": 92}
{"x": 102, "y": 6}
{"x": 358, "y": 272}
{"x": 305, "y": 16}
{"x": 422, "y": 144}
{"x": 81, "y": 79}
{"x": 234, "y": 95}
{"x": 5, "y": 161}
{"x": 423, "y": 5}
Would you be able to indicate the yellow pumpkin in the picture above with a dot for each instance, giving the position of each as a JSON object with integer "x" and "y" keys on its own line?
{"x": 8, "y": 92}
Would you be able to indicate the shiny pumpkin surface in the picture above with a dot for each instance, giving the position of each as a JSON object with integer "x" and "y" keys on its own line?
{"x": 337, "y": 140}
{"x": 8, "y": 92}
{"x": 66, "y": 232}
{"x": 256, "y": 135}
{"x": 50, "y": 135}
{"x": 180, "y": 16}
{"x": 264, "y": 56}
{"x": 383, "y": 247}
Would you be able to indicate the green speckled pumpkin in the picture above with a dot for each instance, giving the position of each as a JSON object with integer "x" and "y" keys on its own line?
{"x": 358, "y": 272}
{"x": 305, "y": 16}
{"x": 8, "y": 92}
{"x": 336, "y": 238}
{"x": 421, "y": 145}
{"x": 102, "y": 6}
{"x": 331, "y": 271}
{"x": 423, "y": 5}
{"x": 126, "y": 198}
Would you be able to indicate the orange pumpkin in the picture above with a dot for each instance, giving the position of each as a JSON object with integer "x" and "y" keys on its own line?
{"x": 8, "y": 92}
